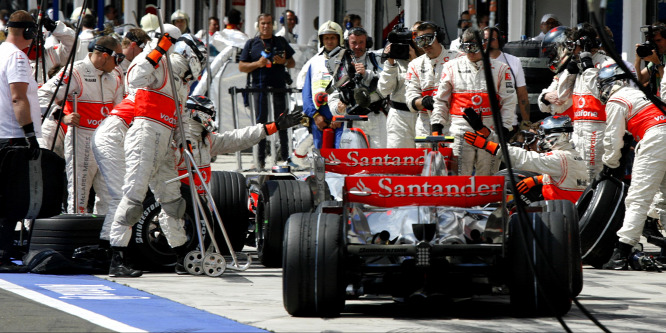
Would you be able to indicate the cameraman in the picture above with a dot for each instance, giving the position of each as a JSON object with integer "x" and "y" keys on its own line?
{"x": 265, "y": 59}
{"x": 400, "y": 122}
{"x": 654, "y": 71}
{"x": 358, "y": 76}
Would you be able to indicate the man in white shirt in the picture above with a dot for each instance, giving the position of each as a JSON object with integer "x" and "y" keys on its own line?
{"x": 548, "y": 22}
{"x": 288, "y": 20}
{"x": 493, "y": 40}
{"x": 464, "y": 23}
{"x": 19, "y": 109}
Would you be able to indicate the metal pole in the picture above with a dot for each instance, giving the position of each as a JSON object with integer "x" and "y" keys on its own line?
{"x": 271, "y": 117}
{"x": 234, "y": 108}
{"x": 75, "y": 181}
{"x": 209, "y": 78}
{"x": 255, "y": 148}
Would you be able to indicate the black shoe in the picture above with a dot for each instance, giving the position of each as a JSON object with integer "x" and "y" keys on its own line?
{"x": 119, "y": 266}
{"x": 651, "y": 228}
{"x": 619, "y": 259}
{"x": 181, "y": 253}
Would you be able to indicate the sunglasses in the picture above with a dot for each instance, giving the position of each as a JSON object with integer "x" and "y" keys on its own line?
{"x": 470, "y": 47}
{"x": 117, "y": 57}
{"x": 425, "y": 40}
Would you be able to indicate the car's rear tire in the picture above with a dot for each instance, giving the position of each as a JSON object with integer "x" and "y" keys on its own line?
{"x": 601, "y": 211}
{"x": 313, "y": 283}
{"x": 277, "y": 201}
{"x": 546, "y": 290}
{"x": 229, "y": 191}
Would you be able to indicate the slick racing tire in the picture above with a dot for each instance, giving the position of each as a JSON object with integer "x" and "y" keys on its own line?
{"x": 229, "y": 191}
{"x": 547, "y": 288}
{"x": 601, "y": 211}
{"x": 64, "y": 233}
{"x": 313, "y": 283}
{"x": 149, "y": 246}
{"x": 277, "y": 201}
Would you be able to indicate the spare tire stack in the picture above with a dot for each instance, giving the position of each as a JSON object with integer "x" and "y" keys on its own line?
{"x": 537, "y": 74}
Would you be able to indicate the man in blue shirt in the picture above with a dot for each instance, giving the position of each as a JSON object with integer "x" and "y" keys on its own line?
{"x": 265, "y": 58}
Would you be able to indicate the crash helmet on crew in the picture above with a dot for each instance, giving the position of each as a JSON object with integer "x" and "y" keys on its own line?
{"x": 330, "y": 27}
{"x": 181, "y": 15}
{"x": 202, "y": 110}
{"x": 195, "y": 52}
{"x": 554, "y": 46}
{"x": 555, "y": 133}
{"x": 610, "y": 79}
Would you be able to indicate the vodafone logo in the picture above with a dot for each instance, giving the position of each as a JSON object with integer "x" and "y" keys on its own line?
{"x": 581, "y": 102}
{"x": 168, "y": 119}
{"x": 477, "y": 100}
{"x": 104, "y": 111}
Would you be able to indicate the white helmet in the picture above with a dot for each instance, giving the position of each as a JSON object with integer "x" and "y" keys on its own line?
{"x": 330, "y": 27}
{"x": 180, "y": 15}
{"x": 171, "y": 29}
{"x": 610, "y": 79}
{"x": 149, "y": 23}
{"x": 77, "y": 12}
{"x": 194, "y": 51}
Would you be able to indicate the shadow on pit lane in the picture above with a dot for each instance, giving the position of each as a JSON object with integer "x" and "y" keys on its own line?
{"x": 431, "y": 308}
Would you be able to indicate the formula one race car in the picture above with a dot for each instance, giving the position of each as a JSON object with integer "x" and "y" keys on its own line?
{"x": 429, "y": 233}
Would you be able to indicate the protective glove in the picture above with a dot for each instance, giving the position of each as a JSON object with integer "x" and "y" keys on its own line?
{"x": 608, "y": 172}
{"x": 437, "y": 129}
{"x": 526, "y": 184}
{"x": 163, "y": 45}
{"x": 481, "y": 142}
{"x": 33, "y": 145}
{"x": 48, "y": 23}
{"x": 573, "y": 68}
{"x": 287, "y": 120}
{"x": 474, "y": 120}
{"x": 362, "y": 97}
{"x": 428, "y": 103}
{"x": 320, "y": 98}
{"x": 586, "y": 60}
{"x": 525, "y": 125}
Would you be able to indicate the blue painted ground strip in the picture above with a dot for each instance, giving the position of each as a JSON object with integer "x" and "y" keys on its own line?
{"x": 126, "y": 305}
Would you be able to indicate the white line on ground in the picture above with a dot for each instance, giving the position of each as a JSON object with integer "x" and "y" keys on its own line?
{"x": 90, "y": 316}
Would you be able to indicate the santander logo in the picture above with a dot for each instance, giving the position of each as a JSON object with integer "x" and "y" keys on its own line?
{"x": 426, "y": 189}
{"x": 355, "y": 159}
{"x": 360, "y": 189}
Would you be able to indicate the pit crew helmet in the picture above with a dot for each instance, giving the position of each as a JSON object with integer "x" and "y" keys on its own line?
{"x": 195, "y": 52}
{"x": 554, "y": 46}
{"x": 202, "y": 110}
{"x": 330, "y": 27}
{"x": 554, "y": 133}
{"x": 610, "y": 79}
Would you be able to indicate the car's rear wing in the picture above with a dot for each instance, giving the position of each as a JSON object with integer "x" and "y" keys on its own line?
{"x": 394, "y": 191}
{"x": 390, "y": 161}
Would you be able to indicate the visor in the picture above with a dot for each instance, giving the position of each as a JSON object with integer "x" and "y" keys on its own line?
{"x": 425, "y": 40}
{"x": 470, "y": 47}
{"x": 117, "y": 57}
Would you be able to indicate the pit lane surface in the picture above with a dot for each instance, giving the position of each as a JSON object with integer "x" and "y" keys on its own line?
{"x": 252, "y": 300}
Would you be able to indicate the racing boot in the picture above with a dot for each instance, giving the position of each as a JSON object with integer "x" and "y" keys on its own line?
{"x": 181, "y": 253}
{"x": 619, "y": 259}
{"x": 119, "y": 264}
{"x": 651, "y": 228}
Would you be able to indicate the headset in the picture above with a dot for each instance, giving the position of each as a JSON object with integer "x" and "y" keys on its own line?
{"x": 501, "y": 38}
{"x": 368, "y": 41}
{"x": 256, "y": 24}
{"x": 283, "y": 17}
{"x": 140, "y": 44}
{"x": 29, "y": 29}
{"x": 439, "y": 32}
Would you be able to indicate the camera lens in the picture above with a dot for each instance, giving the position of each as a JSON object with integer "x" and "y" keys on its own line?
{"x": 644, "y": 50}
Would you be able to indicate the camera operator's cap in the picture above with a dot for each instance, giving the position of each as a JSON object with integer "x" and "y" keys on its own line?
{"x": 547, "y": 17}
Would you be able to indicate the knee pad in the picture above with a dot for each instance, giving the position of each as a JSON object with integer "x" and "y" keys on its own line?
{"x": 175, "y": 208}
{"x": 133, "y": 211}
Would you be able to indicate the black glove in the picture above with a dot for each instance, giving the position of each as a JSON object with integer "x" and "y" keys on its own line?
{"x": 437, "y": 129}
{"x": 572, "y": 67}
{"x": 474, "y": 120}
{"x": 362, "y": 97}
{"x": 428, "y": 102}
{"x": 287, "y": 120}
{"x": 33, "y": 145}
{"x": 48, "y": 23}
{"x": 586, "y": 60}
{"x": 608, "y": 172}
